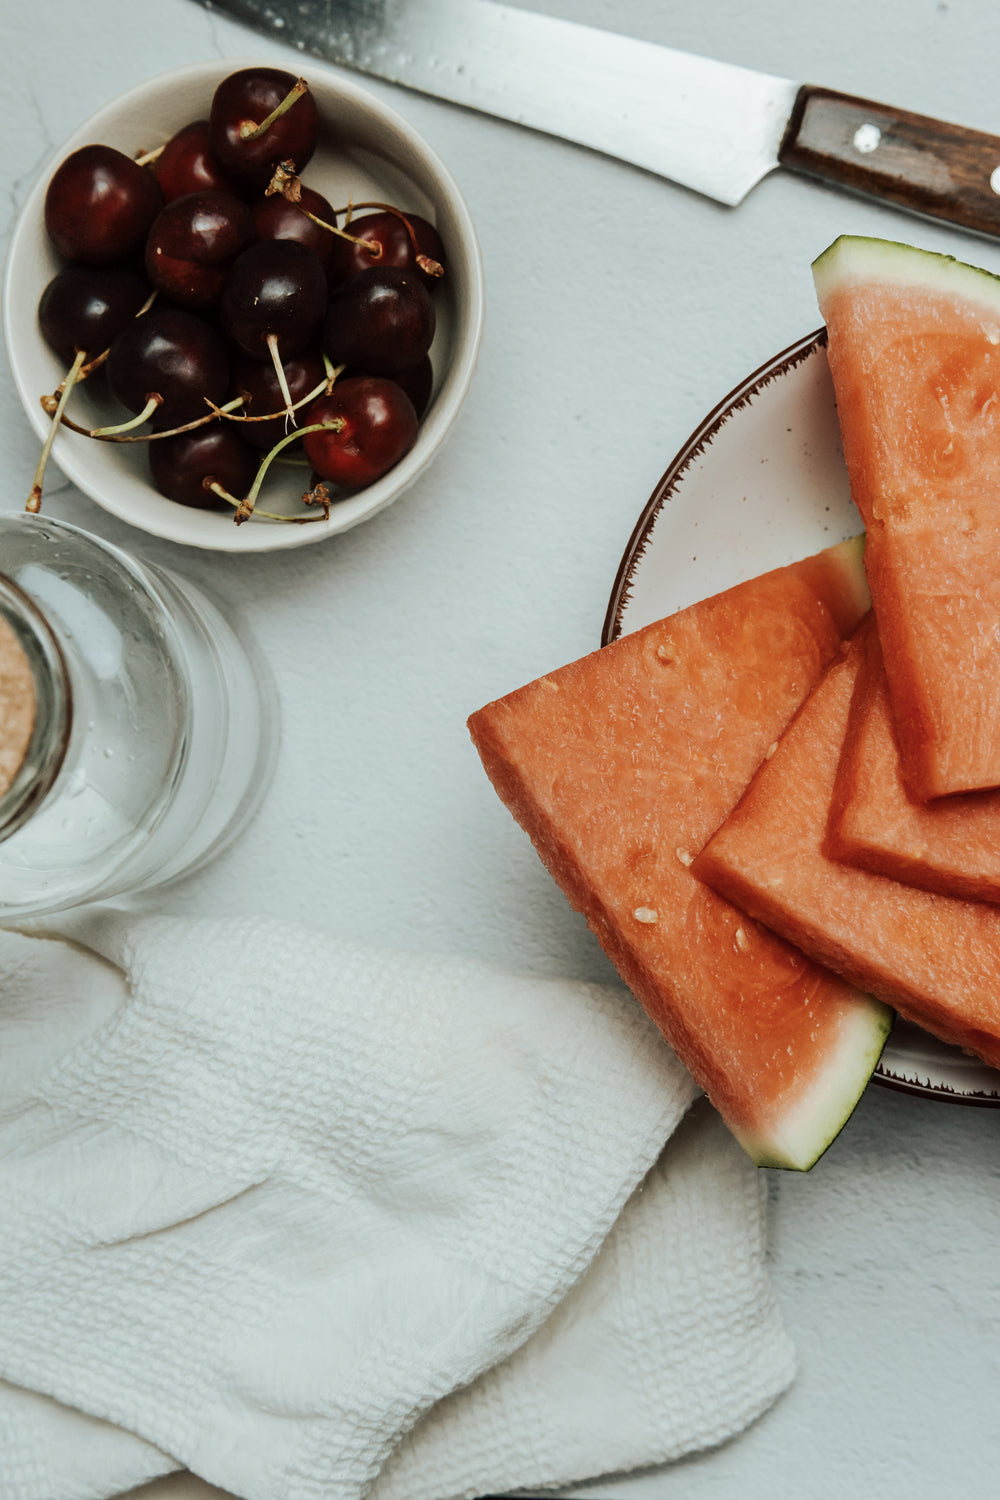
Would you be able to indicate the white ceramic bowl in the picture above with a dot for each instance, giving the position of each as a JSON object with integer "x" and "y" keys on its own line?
{"x": 366, "y": 151}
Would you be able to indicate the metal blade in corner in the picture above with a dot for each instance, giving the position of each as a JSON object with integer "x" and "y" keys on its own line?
{"x": 711, "y": 126}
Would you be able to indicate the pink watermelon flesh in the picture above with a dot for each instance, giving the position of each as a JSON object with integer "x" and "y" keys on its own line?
{"x": 935, "y": 959}
{"x": 951, "y": 846}
{"x": 620, "y": 765}
{"x": 914, "y": 350}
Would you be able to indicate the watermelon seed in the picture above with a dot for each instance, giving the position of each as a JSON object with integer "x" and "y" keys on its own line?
{"x": 646, "y": 914}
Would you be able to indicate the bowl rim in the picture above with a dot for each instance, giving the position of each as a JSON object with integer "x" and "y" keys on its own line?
{"x": 448, "y": 399}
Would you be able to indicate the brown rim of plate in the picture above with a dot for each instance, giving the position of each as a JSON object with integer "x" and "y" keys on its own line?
{"x": 696, "y": 444}
{"x": 939, "y": 1091}
{"x": 699, "y": 440}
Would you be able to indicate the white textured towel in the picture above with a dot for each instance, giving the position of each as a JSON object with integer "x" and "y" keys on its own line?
{"x": 315, "y": 1220}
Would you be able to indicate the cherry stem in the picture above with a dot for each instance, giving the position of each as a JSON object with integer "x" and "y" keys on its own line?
{"x": 95, "y": 363}
{"x": 269, "y": 515}
{"x": 245, "y": 508}
{"x": 323, "y": 389}
{"x": 287, "y": 182}
{"x": 272, "y": 343}
{"x": 249, "y": 130}
{"x": 102, "y": 436}
{"x": 49, "y": 403}
{"x": 153, "y": 404}
{"x": 34, "y": 500}
{"x": 145, "y": 157}
{"x": 333, "y": 373}
{"x": 425, "y": 262}
{"x": 319, "y": 495}
{"x": 372, "y": 246}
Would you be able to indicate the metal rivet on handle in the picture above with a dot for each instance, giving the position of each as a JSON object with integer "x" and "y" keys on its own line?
{"x": 867, "y": 138}
{"x": 995, "y": 180}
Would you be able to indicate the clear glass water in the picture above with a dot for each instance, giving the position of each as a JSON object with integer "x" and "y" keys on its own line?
{"x": 157, "y": 723}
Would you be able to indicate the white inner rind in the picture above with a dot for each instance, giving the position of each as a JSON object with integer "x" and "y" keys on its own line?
{"x": 852, "y": 554}
{"x": 856, "y": 258}
{"x": 805, "y": 1131}
{"x": 801, "y": 1135}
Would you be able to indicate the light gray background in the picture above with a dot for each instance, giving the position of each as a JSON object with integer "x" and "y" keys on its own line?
{"x": 620, "y": 309}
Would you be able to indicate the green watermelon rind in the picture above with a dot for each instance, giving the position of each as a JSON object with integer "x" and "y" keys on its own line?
{"x": 854, "y": 258}
{"x": 796, "y": 1138}
{"x": 796, "y": 1141}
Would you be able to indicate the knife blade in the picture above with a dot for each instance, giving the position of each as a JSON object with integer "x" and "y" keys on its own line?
{"x": 710, "y": 126}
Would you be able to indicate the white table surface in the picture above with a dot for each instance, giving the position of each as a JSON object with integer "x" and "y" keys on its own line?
{"x": 620, "y": 309}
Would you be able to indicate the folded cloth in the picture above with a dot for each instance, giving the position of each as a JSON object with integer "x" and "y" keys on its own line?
{"x": 314, "y": 1219}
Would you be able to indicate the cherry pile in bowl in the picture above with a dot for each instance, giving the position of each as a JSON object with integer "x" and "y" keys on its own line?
{"x": 234, "y": 316}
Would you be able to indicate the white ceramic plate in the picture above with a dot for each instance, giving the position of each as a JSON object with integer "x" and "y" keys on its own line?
{"x": 761, "y": 483}
{"x": 366, "y": 151}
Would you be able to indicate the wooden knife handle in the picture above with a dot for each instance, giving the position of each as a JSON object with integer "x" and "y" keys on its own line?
{"x": 925, "y": 165}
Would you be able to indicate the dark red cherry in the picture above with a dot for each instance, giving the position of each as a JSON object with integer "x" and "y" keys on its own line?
{"x": 417, "y": 381}
{"x": 99, "y": 206}
{"x": 276, "y": 218}
{"x": 274, "y": 297}
{"x": 87, "y": 307}
{"x": 258, "y": 384}
{"x": 184, "y": 466}
{"x": 381, "y": 321}
{"x": 399, "y": 241}
{"x": 380, "y": 426}
{"x": 186, "y": 165}
{"x": 174, "y": 354}
{"x": 192, "y": 244}
{"x": 241, "y": 103}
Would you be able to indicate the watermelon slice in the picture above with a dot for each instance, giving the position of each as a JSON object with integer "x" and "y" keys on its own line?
{"x": 914, "y": 350}
{"x": 951, "y": 846}
{"x": 620, "y": 765}
{"x": 934, "y": 958}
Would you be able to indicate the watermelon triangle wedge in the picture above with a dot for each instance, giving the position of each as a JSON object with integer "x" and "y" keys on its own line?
{"x": 914, "y": 351}
{"x": 933, "y": 958}
{"x": 951, "y": 845}
{"x": 621, "y": 765}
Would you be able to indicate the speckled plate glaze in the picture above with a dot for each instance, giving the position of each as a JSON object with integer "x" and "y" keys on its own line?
{"x": 761, "y": 483}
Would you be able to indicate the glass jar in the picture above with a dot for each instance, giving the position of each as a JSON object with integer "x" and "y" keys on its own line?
{"x": 154, "y": 729}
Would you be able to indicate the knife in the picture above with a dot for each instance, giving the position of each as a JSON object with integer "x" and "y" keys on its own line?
{"x": 707, "y": 125}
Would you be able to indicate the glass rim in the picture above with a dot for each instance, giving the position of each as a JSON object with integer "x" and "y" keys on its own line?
{"x": 50, "y": 732}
